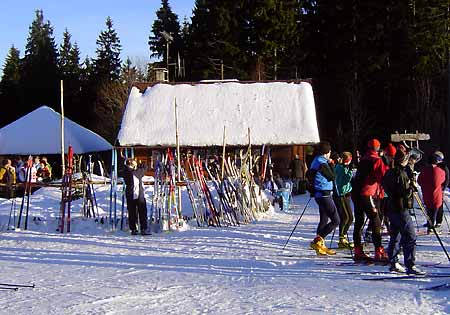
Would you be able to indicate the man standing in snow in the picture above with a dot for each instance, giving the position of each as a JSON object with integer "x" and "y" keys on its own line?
{"x": 399, "y": 189}
{"x": 443, "y": 166}
{"x": 297, "y": 173}
{"x": 136, "y": 204}
{"x": 323, "y": 194}
{"x": 367, "y": 192}
{"x": 430, "y": 180}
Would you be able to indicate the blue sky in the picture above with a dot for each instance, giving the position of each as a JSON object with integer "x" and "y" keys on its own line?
{"x": 85, "y": 19}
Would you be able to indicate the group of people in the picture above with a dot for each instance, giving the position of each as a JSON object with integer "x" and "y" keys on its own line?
{"x": 382, "y": 190}
{"x": 17, "y": 170}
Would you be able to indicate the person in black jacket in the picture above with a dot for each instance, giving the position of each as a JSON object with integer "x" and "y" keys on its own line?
{"x": 136, "y": 204}
{"x": 399, "y": 189}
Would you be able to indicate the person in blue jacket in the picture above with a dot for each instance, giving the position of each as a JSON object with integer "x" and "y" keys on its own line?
{"x": 323, "y": 194}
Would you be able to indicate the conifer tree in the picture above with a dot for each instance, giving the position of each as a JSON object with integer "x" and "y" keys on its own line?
{"x": 167, "y": 22}
{"x": 40, "y": 79}
{"x": 10, "y": 95}
{"x": 69, "y": 66}
{"x": 107, "y": 64}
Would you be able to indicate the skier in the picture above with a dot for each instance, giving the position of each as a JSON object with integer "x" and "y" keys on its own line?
{"x": 399, "y": 188}
{"x": 344, "y": 174}
{"x": 388, "y": 159}
{"x": 366, "y": 193}
{"x": 443, "y": 166}
{"x": 431, "y": 179}
{"x": 323, "y": 191}
{"x": 136, "y": 204}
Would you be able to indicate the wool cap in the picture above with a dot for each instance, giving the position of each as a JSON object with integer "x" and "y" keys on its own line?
{"x": 390, "y": 150}
{"x": 374, "y": 144}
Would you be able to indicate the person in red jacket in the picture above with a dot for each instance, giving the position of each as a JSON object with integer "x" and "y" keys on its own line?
{"x": 430, "y": 180}
{"x": 367, "y": 192}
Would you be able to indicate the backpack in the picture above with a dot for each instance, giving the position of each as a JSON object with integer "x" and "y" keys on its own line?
{"x": 310, "y": 175}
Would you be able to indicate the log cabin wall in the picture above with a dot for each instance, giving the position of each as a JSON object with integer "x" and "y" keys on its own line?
{"x": 281, "y": 156}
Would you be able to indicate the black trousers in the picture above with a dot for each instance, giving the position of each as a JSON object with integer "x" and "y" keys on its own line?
{"x": 440, "y": 214}
{"x": 365, "y": 205}
{"x": 137, "y": 210}
{"x": 346, "y": 215}
{"x": 329, "y": 217}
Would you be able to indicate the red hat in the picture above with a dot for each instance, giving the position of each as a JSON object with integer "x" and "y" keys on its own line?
{"x": 390, "y": 150}
{"x": 374, "y": 144}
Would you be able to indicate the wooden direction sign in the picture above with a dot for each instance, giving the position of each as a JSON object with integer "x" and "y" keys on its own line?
{"x": 399, "y": 137}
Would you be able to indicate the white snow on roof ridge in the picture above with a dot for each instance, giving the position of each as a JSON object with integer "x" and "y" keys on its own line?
{"x": 277, "y": 113}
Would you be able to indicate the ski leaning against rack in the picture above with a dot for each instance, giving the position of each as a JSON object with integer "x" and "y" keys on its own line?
{"x": 27, "y": 193}
{"x": 66, "y": 194}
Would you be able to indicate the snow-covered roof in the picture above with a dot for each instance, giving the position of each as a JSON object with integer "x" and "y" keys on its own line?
{"x": 39, "y": 132}
{"x": 277, "y": 113}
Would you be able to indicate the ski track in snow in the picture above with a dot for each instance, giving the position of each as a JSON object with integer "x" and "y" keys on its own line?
{"x": 232, "y": 270}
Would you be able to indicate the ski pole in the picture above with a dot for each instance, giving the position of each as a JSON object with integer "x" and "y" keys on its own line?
{"x": 350, "y": 247}
{"x": 430, "y": 225}
{"x": 332, "y": 237}
{"x": 298, "y": 221}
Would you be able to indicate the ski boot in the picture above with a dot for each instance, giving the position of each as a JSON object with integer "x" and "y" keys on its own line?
{"x": 327, "y": 250}
{"x": 396, "y": 267}
{"x": 344, "y": 243}
{"x": 318, "y": 245}
{"x": 413, "y": 270}
{"x": 380, "y": 255}
{"x": 359, "y": 255}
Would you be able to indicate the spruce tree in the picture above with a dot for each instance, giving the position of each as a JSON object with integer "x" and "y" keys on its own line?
{"x": 166, "y": 21}
{"x": 107, "y": 64}
{"x": 69, "y": 66}
{"x": 40, "y": 79}
{"x": 10, "y": 95}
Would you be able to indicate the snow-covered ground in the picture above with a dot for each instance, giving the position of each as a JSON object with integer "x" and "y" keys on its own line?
{"x": 229, "y": 270}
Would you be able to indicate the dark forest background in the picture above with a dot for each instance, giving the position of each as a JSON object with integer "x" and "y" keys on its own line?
{"x": 377, "y": 66}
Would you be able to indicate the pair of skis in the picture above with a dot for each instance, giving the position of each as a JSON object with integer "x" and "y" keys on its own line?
{"x": 26, "y": 194}
{"x": 66, "y": 194}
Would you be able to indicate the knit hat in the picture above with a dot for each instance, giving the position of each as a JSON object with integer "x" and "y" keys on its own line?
{"x": 374, "y": 144}
{"x": 323, "y": 147}
{"x": 437, "y": 157}
{"x": 346, "y": 157}
{"x": 390, "y": 150}
{"x": 439, "y": 154}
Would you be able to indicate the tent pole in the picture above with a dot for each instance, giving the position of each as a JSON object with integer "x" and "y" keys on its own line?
{"x": 62, "y": 128}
